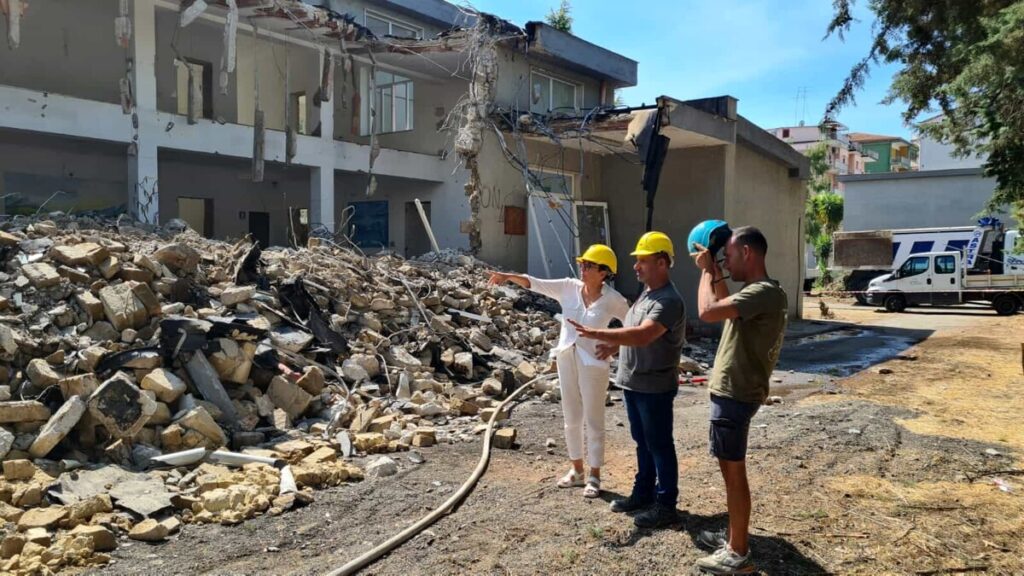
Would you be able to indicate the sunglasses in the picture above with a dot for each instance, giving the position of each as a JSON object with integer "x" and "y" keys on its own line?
{"x": 589, "y": 266}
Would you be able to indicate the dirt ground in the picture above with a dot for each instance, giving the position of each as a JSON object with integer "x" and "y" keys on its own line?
{"x": 874, "y": 473}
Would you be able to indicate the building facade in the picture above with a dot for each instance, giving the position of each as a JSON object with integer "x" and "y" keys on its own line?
{"x": 276, "y": 118}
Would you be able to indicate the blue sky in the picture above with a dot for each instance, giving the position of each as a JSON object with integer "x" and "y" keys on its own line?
{"x": 763, "y": 52}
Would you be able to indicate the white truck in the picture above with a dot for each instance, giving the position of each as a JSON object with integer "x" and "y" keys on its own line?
{"x": 859, "y": 257}
{"x": 989, "y": 270}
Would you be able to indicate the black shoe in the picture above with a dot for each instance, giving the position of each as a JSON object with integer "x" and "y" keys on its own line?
{"x": 631, "y": 504}
{"x": 657, "y": 516}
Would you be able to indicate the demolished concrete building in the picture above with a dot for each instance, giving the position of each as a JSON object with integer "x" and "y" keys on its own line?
{"x": 273, "y": 117}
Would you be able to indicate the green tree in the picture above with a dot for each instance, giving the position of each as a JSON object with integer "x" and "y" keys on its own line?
{"x": 962, "y": 57}
{"x": 823, "y": 213}
{"x": 561, "y": 18}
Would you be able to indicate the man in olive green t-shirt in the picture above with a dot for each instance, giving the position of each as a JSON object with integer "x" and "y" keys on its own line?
{"x": 755, "y": 323}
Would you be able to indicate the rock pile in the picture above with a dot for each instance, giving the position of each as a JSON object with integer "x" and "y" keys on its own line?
{"x": 124, "y": 348}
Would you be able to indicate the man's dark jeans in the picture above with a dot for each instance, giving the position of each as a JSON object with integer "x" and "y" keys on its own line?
{"x": 650, "y": 423}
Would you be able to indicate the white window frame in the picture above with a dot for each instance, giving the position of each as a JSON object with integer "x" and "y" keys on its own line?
{"x": 570, "y": 175}
{"x": 392, "y": 22}
{"x": 364, "y": 113}
{"x": 577, "y": 89}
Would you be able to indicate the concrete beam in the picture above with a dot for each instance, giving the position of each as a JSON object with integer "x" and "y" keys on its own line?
{"x": 34, "y": 111}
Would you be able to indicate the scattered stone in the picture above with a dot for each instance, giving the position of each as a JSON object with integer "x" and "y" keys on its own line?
{"x": 505, "y": 438}
{"x": 41, "y": 373}
{"x": 178, "y": 257}
{"x": 312, "y": 380}
{"x": 41, "y": 517}
{"x": 149, "y": 530}
{"x": 381, "y": 467}
{"x": 19, "y": 470}
{"x": 237, "y": 295}
{"x": 102, "y": 538}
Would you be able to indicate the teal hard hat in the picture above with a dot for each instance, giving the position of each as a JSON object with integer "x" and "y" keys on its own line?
{"x": 711, "y": 234}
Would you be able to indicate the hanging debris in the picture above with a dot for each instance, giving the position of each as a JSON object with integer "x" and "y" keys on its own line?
{"x": 259, "y": 136}
{"x": 123, "y": 25}
{"x": 327, "y": 76}
{"x": 476, "y": 108}
{"x": 14, "y": 9}
{"x": 125, "y": 85}
{"x": 190, "y": 10}
{"x": 227, "y": 63}
{"x": 371, "y": 180}
{"x": 195, "y": 95}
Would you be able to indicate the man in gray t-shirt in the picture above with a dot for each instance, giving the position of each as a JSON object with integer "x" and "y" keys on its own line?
{"x": 649, "y": 344}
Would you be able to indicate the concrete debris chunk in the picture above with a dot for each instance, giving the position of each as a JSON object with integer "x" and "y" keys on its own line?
{"x": 208, "y": 382}
{"x": 23, "y": 411}
{"x": 288, "y": 396}
{"x": 167, "y": 386}
{"x": 121, "y": 407}
{"x": 179, "y": 257}
{"x": 59, "y": 425}
{"x": 41, "y": 275}
{"x": 122, "y": 308}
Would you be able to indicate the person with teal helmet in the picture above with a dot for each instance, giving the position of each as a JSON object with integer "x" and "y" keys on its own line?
{"x": 582, "y": 372}
{"x": 754, "y": 326}
{"x": 710, "y": 235}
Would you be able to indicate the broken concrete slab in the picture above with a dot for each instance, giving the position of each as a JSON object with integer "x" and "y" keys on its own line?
{"x": 206, "y": 380}
{"x": 145, "y": 496}
{"x": 121, "y": 407}
{"x": 41, "y": 274}
{"x": 41, "y": 517}
{"x": 59, "y": 425}
{"x": 85, "y": 253}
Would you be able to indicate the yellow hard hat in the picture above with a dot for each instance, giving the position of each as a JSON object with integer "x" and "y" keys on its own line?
{"x": 652, "y": 243}
{"x": 600, "y": 254}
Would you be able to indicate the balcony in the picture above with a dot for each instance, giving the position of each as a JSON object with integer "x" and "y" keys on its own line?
{"x": 899, "y": 164}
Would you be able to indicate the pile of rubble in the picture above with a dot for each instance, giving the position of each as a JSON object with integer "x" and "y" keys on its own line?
{"x": 150, "y": 377}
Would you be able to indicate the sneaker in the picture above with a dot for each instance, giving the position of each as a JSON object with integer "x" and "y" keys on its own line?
{"x": 712, "y": 539}
{"x": 631, "y": 504}
{"x": 725, "y": 561}
{"x": 657, "y": 516}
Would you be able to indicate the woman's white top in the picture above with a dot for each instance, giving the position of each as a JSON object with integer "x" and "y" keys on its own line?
{"x": 569, "y": 294}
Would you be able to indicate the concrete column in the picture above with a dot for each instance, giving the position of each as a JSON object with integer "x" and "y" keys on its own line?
{"x": 321, "y": 178}
{"x": 144, "y": 196}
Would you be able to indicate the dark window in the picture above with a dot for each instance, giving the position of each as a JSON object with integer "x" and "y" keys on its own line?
{"x": 895, "y": 249}
{"x": 785, "y": 132}
{"x": 922, "y": 246}
{"x": 945, "y": 264}
{"x": 914, "y": 266}
{"x": 957, "y": 245}
{"x": 369, "y": 224}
